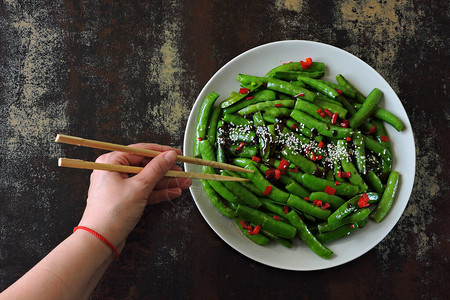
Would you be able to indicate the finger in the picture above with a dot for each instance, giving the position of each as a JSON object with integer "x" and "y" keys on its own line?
{"x": 171, "y": 182}
{"x": 158, "y": 196}
{"x": 155, "y": 170}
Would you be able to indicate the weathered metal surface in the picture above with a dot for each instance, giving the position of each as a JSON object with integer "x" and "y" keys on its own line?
{"x": 129, "y": 71}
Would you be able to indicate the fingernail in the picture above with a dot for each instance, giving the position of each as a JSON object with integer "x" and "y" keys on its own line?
{"x": 170, "y": 156}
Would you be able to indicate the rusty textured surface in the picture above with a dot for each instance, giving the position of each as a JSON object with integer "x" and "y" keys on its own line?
{"x": 127, "y": 71}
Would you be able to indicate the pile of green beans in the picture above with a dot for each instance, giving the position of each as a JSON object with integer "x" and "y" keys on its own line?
{"x": 319, "y": 152}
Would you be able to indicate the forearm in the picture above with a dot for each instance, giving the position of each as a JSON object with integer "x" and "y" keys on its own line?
{"x": 70, "y": 271}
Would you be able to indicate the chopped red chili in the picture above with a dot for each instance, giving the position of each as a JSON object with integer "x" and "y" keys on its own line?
{"x": 317, "y": 202}
{"x": 256, "y": 159}
{"x": 319, "y": 157}
{"x": 307, "y": 63}
{"x": 329, "y": 190}
{"x": 241, "y": 145}
{"x": 352, "y": 226}
{"x": 334, "y": 118}
{"x": 321, "y": 144}
{"x": 339, "y": 174}
{"x": 295, "y": 126}
{"x": 286, "y": 209}
{"x": 278, "y": 105}
{"x": 277, "y": 174}
{"x": 294, "y": 170}
{"x": 306, "y": 198}
{"x": 300, "y": 95}
{"x": 256, "y": 230}
{"x": 199, "y": 139}
{"x": 270, "y": 173}
{"x": 243, "y": 224}
{"x": 384, "y": 138}
{"x": 319, "y": 111}
{"x": 276, "y": 217}
{"x": 322, "y": 114}
{"x": 244, "y": 91}
{"x": 250, "y": 229}
{"x": 267, "y": 190}
{"x": 373, "y": 130}
{"x": 344, "y": 125}
{"x": 326, "y": 205}
{"x": 337, "y": 182}
{"x": 339, "y": 92}
{"x": 363, "y": 201}
{"x": 346, "y": 174}
{"x": 348, "y": 139}
{"x": 313, "y": 157}
{"x": 284, "y": 164}
{"x": 328, "y": 112}
{"x": 249, "y": 98}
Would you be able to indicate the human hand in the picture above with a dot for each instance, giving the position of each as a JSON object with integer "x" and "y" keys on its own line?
{"x": 116, "y": 201}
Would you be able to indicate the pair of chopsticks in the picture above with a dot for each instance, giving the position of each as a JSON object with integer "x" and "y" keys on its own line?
{"x": 81, "y": 164}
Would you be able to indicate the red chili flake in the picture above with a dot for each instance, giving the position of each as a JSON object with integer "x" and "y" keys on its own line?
{"x": 256, "y": 230}
{"x": 348, "y": 139}
{"x": 270, "y": 173}
{"x": 300, "y": 95}
{"x": 267, "y": 190}
{"x": 321, "y": 144}
{"x": 339, "y": 174}
{"x": 276, "y": 218}
{"x": 322, "y": 114}
{"x": 256, "y": 159}
{"x": 339, "y": 92}
{"x": 306, "y": 199}
{"x": 295, "y": 126}
{"x": 277, "y": 174}
{"x": 284, "y": 164}
{"x": 363, "y": 201}
{"x": 307, "y": 63}
{"x": 249, "y": 98}
{"x": 328, "y": 112}
{"x": 241, "y": 145}
{"x": 317, "y": 202}
{"x": 244, "y": 91}
{"x": 373, "y": 130}
{"x": 329, "y": 190}
{"x": 344, "y": 174}
{"x": 286, "y": 209}
{"x": 326, "y": 205}
{"x": 278, "y": 105}
{"x": 337, "y": 182}
{"x": 314, "y": 157}
{"x": 334, "y": 118}
{"x": 199, "y": 139}
{"x": 384, "y": 138}
{"x": 319, "y": 111}
{"x": 243, "y": 224}
{"x": 319, "y": 157}
{"x": 352, "y": 226}
{"x": 344, "y": 125}
{"x": 250, "y": 229}
{"x": 294, "y": 170}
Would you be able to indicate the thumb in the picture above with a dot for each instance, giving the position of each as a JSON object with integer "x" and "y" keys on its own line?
{"x": 155, "y": 170}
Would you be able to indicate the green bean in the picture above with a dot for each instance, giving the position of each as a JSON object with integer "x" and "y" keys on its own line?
{"x": 385, "y": 154}
{"x": 203, "y": 119}
{"x": 284, "y": 242}
{"x": 260, "y": 182}
{"x": 259, "y": 239}
{"x": 387, "y": 198}
{"x": 345, "y": 89}
{"x": 386, "y": 116}
{"x": 314, "y": 183}
{"x": 307, "y": 207}
{"x": 238, "y": 135}
{"x": 216, "y": 200}
{"x": 348, "y": 166}
{"x": 251, "y": 86}
{"x": 258, "y": 96}
{"x": 336, "y": 101}
{"x": 339, "y": 233}
{"x": 350, "y": 206}
{"x": 356, "y": 216}
{"x": 263, "y": 105}
{"x": 303, "y": 163}
{"x": 322, "y": 127}
{"x": 319, "y": 86}
{"x": 296, "y": 66}
{"x": 307, "y": 237}
{"x": 247, "y": 151}
{"x": 366, "y": 109}
{"x": 220, "y": 139}
{"x": 297, "y": 83}
{"x": 293, "y": 75}
{"x": 381, "y": 134}
{"x": 272, "y": 207}
{"x": 278, "y": 111}
{"x": 333, "y": 200}
{"x": 244, "y": 195}
{"x": 345, "y": 83}
{"x": 360, "y": 152}
{"x": 276, "y": 227}
{"x": 296, "y": 189}
{"x": 374, "y": 181}
{"x": 236, "y": 120}
{"x": 248, "y": 185}
{"x": 212, "y": 126}
{"x": 312, "y": 110}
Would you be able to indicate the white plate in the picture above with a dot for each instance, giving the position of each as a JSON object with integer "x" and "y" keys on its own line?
{"x": 258, "y": 61}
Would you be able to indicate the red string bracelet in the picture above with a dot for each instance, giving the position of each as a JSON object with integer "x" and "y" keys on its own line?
{"x": 100, "y": 237}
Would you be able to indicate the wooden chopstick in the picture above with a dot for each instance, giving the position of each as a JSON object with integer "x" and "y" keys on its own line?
{"x": 72, "y": 140}
{"x": 87, "y": 165}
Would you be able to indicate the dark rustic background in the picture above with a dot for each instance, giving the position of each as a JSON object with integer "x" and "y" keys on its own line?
{"x": 129, "y": 71}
